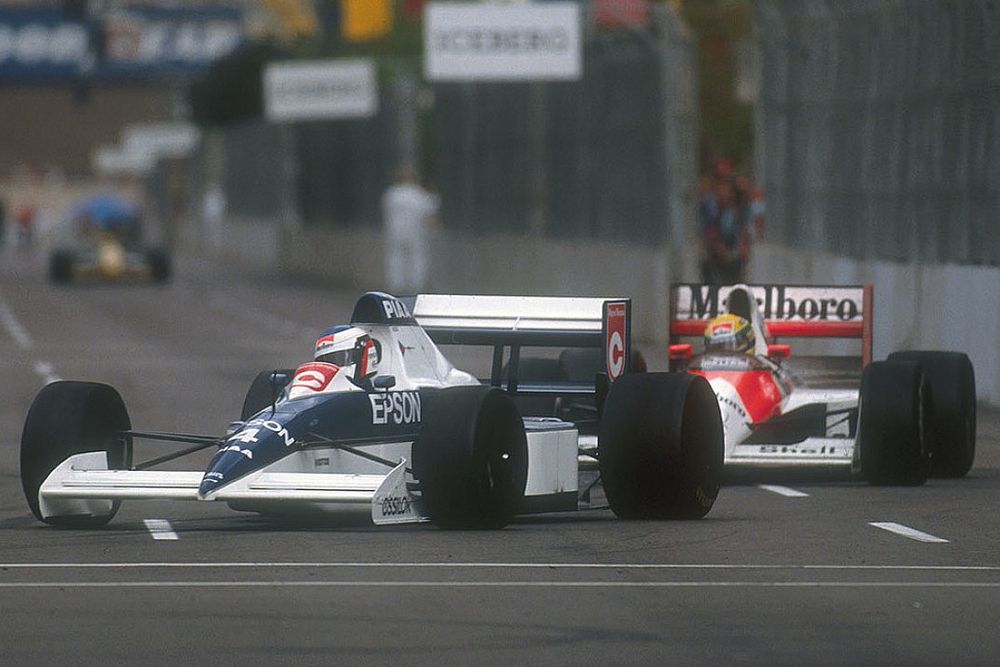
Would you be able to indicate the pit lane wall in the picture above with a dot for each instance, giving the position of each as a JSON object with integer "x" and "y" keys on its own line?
{"x": 943, "y": 306}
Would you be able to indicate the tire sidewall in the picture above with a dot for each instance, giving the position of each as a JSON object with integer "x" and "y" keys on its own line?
{"x": 68, "y": 418}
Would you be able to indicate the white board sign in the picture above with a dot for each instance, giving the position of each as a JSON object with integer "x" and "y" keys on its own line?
{"x": 502, "y": 42}
{"x": 320, "y": 89}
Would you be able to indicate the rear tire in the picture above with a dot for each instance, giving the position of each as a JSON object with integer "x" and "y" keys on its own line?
{"x": 159, "y": 264}
{"x": 953, "y": 386}
{"x": 471, "y": 458}
{"x": 895, "y": 409}
{"x": 68, "y": 418}
{"x": 661, "y": 446}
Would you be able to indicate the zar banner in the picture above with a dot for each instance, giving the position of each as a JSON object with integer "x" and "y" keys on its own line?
{"x": 44, "y": 46}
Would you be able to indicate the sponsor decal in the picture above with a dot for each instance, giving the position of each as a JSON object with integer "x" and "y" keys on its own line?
{"x": 314, "y": 376}
{"x": 212, "y": 477}
{"x": 253, "y": 427}
{"x": 395, "y": 310}
{"x": 324, "y": 344}
{"x": 395, "y": 505}
{"x": 615, "y": 343}
{"x": 236, "y": 448}
{"x": 396, "y": 407}
{"x": 722, "y": 328}
{"x": 776, "y": 302}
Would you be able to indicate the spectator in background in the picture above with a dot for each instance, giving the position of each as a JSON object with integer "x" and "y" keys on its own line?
{"x": 213, "y": 213}
{"x": 25, "y": 219}
{"x": 748, "y": 192}
{"x": 409, "y": 214}
{"x": 724, "y": 220}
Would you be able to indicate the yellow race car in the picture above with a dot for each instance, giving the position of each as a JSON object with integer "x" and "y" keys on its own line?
{"x": 108, "y": 246}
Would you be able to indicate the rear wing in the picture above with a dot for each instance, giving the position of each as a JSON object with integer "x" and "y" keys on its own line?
{"x": 789, "y": 311}
{"x": 508, "y": 323}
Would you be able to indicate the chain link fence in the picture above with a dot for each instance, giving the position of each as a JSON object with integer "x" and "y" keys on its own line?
{"x": 878, "y": 127}
{"x": 611, "y": 156}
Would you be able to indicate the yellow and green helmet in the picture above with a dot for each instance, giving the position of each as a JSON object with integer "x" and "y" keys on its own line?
{"x": 729, "y": 333}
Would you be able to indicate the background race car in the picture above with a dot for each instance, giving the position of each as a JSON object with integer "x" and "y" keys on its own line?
{"x": 394, "y": 431}
{"x": 105, "y": 243}
{"x": 896, "y": 421}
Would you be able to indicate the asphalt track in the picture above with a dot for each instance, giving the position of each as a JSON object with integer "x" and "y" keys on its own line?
{"x": 804, "y": 571}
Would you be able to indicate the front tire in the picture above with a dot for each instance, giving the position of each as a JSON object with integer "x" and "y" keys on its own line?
{"x": 471, "y": 458}
{"x": 159, "y": 264}
{"x": 661, "y": 446}
{"x": 953, "y": 386}
{"x": 892, "y": 430}
{"x": 61, "y": 266}
{"x": 68, "y": 418}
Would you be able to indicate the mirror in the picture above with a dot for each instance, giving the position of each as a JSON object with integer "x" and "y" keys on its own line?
{"x": 384, "y": 382}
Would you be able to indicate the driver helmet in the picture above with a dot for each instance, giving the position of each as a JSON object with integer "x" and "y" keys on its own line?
{"x": 347, "y": 346}
{"x": 729, "y": 333}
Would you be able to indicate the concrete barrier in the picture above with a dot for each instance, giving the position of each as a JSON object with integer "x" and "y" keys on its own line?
{"x": 929, "y": 307}
{"x": 916, "y": 307}
{"x": 498, "y": 265}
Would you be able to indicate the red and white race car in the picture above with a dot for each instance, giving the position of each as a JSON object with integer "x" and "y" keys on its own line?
{"x": 895, "y": 421}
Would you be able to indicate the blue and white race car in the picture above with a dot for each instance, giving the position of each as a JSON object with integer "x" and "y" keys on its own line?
{"x": 381, "y": 423}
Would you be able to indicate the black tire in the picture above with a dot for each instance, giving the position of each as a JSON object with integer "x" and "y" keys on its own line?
{"x": 61, "y": 266}
{"x": 260, "y": 395}
{"x": 159, "y": 264}
{"x": 895, "y": 408}
{"x": 953, "y": 386}
{"x": 661, "y": 446}
{"x": 471, "y": 458}
{"x": 68, "y": 418}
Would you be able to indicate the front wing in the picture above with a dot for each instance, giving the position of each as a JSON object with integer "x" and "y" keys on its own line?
{"x": 82, "y": 484}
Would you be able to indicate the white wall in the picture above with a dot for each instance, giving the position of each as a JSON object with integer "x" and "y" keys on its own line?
{"x": 937, "y": 307}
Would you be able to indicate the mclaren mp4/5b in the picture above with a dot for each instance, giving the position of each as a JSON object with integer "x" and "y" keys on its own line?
{"x": 381, "y": 423}
{"x": 895, "y": 421}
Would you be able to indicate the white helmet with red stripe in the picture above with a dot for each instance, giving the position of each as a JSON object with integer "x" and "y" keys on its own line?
{"x": 350, "y": 348}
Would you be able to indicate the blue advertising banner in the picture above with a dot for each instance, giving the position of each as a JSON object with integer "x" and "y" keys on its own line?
{"x": 40, "y": 46}
{"x": 43, "y": 46}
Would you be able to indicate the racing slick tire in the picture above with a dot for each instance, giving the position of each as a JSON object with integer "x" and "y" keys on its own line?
{"x": 895, "y": 411}
{"x": 259, "y": 395}
{"x": 61, "y": 266}
{"x": 953, "y": 424}
{"x": 471, "y": 458}
{"x": 68, "y": 418}
{"x": 159, "y": 264}
{"x": 661, "y": 446}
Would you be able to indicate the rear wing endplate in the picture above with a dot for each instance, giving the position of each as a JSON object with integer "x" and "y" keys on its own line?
{"x": 789, "y": 311}
{"x": 512, "y": 322}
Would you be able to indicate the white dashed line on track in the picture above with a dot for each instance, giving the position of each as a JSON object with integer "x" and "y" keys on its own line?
{"x": 160, "y": 529}
{"x": 499, "y": 584}
{"x": 783, "y": 491}
{"x": 158, "y": 565}
{"x": 10, "y": 322}
{"x": 906, "y": 531}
